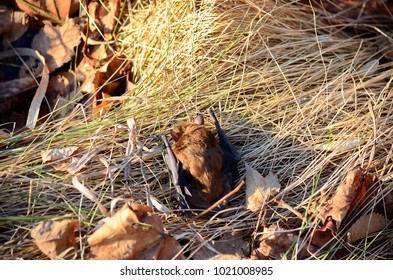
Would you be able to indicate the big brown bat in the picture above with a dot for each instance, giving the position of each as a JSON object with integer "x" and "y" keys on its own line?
{"x": 203, "y": 167}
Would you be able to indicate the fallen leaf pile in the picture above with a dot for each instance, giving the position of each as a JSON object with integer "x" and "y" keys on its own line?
{"x": 360, "y": 207}
{"x": 65, "y": 37}
{"x": 347, "y": 208}
{"x": 66, "y": 53}
{"x": 134, "y": 232}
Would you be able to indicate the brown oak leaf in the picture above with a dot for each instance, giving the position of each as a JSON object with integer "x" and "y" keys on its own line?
{"x": 59, "y": 9}
{"x": 259, "y": 189}
{"x": 55, "y": 238}
{"x": 355, "y": 192}
{"x": 365, "y": 225}
{"x": 57, "y": 43}
{"x": 277, "y": 244}
{"x": 134, "y": 232}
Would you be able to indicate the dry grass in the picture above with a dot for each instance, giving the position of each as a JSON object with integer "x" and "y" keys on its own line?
{"x": 295, "y": 95}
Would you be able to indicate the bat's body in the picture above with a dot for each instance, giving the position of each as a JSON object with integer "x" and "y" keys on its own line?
{"x": 207, "y": 167}
{"x": 199, "y": 152}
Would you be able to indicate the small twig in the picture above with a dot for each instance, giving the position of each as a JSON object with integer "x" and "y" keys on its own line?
{"x": 203, "y": 213}
{"x": 288, "y": 207}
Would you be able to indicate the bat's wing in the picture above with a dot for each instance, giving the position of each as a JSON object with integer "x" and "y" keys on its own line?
{"x": 224, "y": 142}
{"x": 230, "y": 155}
{"x": 180, "y": 177}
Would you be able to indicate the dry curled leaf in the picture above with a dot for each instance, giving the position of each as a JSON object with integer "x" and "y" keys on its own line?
{"x": 134, "y": 232}
{"x": 58, "y": 153}
{"x": 57, "y": 43}
{"x": 106, "y": 82}
{"x": 355, "y": 192}
{"x": 55, "y": 238}
{"x": 58, "y": 9}
{"x": 365, "y": 225}
{"x": 321, "y": 236}
{"x": 12, "y": 24}
{"x": 278, "y": 244}
{"x": 259, "y": 188}
{"x": 60, "y": 158}
{"x": 230, "y": 243}
{"x": 62, "y": 93}
{"x": 105, "y": 15}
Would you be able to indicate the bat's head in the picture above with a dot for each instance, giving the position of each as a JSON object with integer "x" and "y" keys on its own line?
{"x": 184, "y": 128}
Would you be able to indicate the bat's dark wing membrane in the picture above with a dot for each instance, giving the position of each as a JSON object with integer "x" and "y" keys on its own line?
{"x": 230, "y": 155}
{"x": 180, "y": 178}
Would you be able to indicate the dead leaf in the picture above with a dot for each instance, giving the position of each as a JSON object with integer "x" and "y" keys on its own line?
{"x": 134, "y": 232}
{"x": 57, "y": 43}
{"x": 50, "y": 9}
{"x": 259, "y": 188}
{"x": 54, "y": 238}
{"x": 104, "y": 17}
{"x": 228, "y": 243}
{"x": 58, "y": 154}
{"x": 61, "y": 93}
{"x": 365, "y": 225}
{"x": 13, "y": 24}
{"x": 226, "y": 257}
{"x": 62, "y": 8}
{"x": 102, "y": 105}
{"x": 60, "y": 158}
{"x": 355, "y": 192}
{"x": 277, "y": 244}
{"x": 106, "y": 82}
{"x": 322, "y": 236}
{"x": 167, "y": 249}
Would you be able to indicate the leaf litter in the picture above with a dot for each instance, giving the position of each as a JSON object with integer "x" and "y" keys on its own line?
{"x": 360, "y": 207}
{"x": 57, "y": 41}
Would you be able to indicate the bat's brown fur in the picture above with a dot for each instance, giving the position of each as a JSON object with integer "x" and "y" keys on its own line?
{"x": 198, "y": 150}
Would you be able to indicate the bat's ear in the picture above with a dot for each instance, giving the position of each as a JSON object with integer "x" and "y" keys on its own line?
{"x": 199, "y": 119}
{"x": 175, "y": 136}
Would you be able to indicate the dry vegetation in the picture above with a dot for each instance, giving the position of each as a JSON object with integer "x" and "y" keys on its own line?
{"x": 296, "y": 95}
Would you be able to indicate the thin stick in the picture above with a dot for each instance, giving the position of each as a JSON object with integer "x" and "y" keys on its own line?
{"x": 203, "y": 213}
